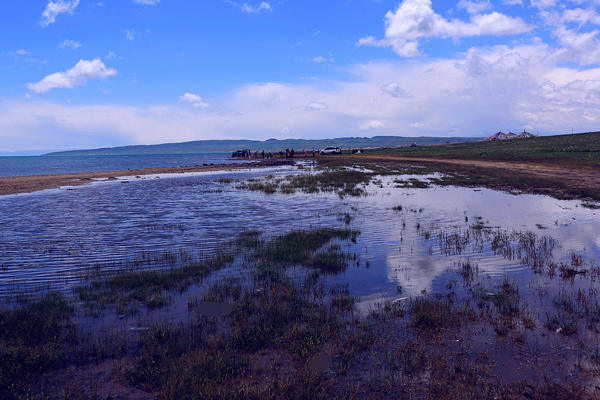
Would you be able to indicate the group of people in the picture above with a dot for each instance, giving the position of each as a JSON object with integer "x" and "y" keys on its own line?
{"x": 289, "y": 153}
{"x": 263, "y": 155}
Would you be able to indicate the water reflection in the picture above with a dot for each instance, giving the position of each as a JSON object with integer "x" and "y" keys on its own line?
{"x": 51, "y": 239}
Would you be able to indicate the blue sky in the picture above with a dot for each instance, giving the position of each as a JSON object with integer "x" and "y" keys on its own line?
{"x": 79, "y": 73}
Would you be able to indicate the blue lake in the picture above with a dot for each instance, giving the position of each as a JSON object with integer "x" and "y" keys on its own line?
{"x": 42, "y": 165}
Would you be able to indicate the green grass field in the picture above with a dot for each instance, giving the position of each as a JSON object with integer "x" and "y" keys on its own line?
{"x": 581, "y": 149}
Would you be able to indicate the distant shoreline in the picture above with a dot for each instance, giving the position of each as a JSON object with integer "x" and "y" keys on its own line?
{"x": 34, "y": 183}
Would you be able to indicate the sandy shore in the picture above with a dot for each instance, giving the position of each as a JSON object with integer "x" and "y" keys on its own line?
{"x": 28, "y": 184}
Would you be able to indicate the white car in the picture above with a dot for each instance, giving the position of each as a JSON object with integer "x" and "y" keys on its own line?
{"x": 331, "y": 150}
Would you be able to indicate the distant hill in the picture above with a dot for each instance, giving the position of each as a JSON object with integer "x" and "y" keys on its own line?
{"x": 271, "y": 145}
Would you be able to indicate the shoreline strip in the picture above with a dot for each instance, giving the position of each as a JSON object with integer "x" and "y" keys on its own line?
{"x": 34, "y": 183}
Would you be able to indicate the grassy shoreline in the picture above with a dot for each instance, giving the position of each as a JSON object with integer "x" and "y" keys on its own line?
{"x": 580, "y": 150}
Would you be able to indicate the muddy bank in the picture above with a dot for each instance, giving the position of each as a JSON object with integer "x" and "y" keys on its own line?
{"x": 28, "y": 184}
{"x": 539, "y": 178}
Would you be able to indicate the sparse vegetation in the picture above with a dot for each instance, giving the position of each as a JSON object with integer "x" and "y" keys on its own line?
{"x": 274, "y": 333}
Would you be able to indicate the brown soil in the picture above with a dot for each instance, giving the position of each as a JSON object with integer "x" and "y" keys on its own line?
{"x": 27, "y": 184}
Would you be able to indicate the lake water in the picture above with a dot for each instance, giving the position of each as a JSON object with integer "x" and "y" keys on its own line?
{"x": 53, "y": 239}
{"x": 41, "y": 165}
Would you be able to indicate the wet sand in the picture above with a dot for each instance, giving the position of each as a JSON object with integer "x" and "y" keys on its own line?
{"x": 28, "y": 184}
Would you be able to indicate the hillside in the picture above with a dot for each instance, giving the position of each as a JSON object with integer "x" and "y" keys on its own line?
{"x": 272, "y": 145}
{"x": 582, "y": 149}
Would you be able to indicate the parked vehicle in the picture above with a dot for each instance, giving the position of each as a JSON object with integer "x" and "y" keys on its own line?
{"x": 331, "y": 150}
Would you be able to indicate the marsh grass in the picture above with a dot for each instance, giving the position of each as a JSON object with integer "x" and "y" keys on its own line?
{"x": 147, "y": 287}
{"x": 35, "y": 337}
{"x": 280, "y": 332}
{"x": 297, "y": 247}
{"x": 331, "y": 261}
{"x": 411, "y": 183}
{"x": 431, "y": 314}
{"x": 339, "y": 180}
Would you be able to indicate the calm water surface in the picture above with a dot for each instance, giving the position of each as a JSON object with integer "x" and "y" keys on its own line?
{"x": 52, "y": 239}
{"x": 40, "y": 165}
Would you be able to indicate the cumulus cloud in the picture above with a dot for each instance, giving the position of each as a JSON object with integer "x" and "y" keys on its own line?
{"x": 69, "y": 44}
{"x": 581, "y": 16}
{"x": 393, "y": 89}
{"x": 501, "y": 86}
{"x": 83, "y": 71}
{"x": 416, "y": 19}
{"x": 321, "y": 59}
{"x": 575, "y": 30}
{"x": 316, "y": 105}
{"x": 543, "y": 3}
{"x": 542, "y": 87}
{"x": 373, "y": 124}
{"x": 475, "y": 7}
{"x": 56, "y": 7}
{"x": 250, "y": 9}
{"x": 194, "y": 100}
{"x": 473, "y": 94}
{"x": 583, "y": 47}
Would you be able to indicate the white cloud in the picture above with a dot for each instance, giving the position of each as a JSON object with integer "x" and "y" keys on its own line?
{"x": 581, "y": 16}
{"x": 129, "y": 34}
{"x": 373, "y": 124}
{"x": 415, "y": 19}
{"x": 394, "y": 90}
{"x": 321, "y": 59}
{"x": 475, "y": 7}
{"x": 470, "y": 95}
{"x": 83, "y": 71}
{"x": 69, "y": 44}
{"x": 147, "y": 2}
{"x": 583, "y": 48}
{"x": 541, "y": 4}
{"x": 22, "y": 52}
{"x": 543, "y": 88}
{"x": 263, "y": 6}
{"x": 316, "y": 105}
{"x": 56, "y": 7}
{"x": 194, "y": 100}
{"x": 573, "y": 31}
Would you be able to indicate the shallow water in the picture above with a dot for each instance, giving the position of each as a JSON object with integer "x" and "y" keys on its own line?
{"x": 53, "y": 239}
{"x": 403, "y": 263}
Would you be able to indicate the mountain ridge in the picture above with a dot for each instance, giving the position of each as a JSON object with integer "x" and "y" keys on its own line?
{"x": 270, "y": 145}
